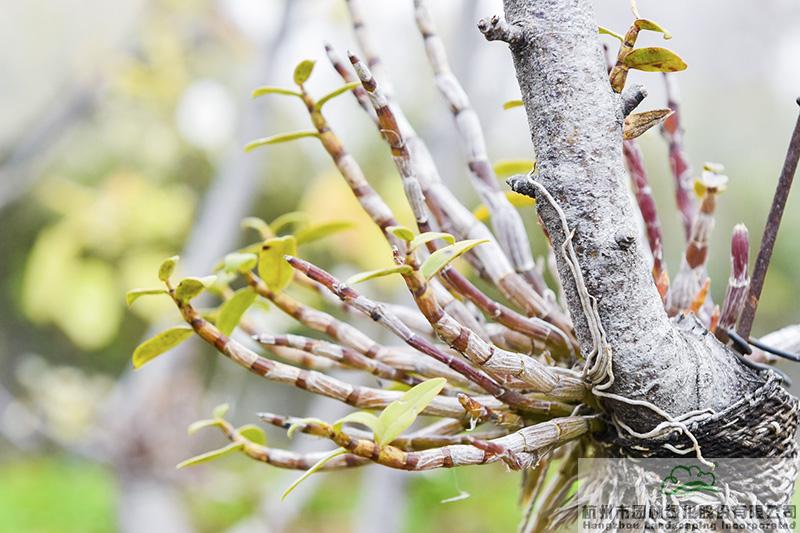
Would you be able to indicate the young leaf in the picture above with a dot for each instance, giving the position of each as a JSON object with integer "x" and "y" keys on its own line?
{"x": 281, "y": 138}
{"x": 234, "y": 307}
{"x": 210, "y": 456}
{"x": 297, "y": 218}
{"x": 320, "y": 231}
{"x": 644, "y": 24}
{"x": 637, "y": 123}
{"x": 260, "y": 91}
{"x": 239, "y": 263}
{"x": 258, "y": 225}
{"x": 654, "y": 59}
{"x": 333, "y": 94}
{"x": 319, "y": 464}
{"x": 155, "y": 346}
{"x": 359, "y": 417}
{"x": 401, "y": 232}
{"x": 381, "y": 272}
{"x": 512, "y": 104}
{"x": 605, "y": 31}
{"x": 444, "y": 256}
{"x": 253, "y": 433}
{"x": 167, "y": 268}
{"x": 429, "y": 236}
{"x": 509, "y": 167}
{"x": 517, "y": 200}
{"x": 300, "y": 423}
{"x": 400, "y": 414}
{"x": 303, "y": 71}
{"x": 134, "y": 294}
{"x": 272, "y": 267}
{"x": 189, "y": 288}
{"x": 221, "y": 410}
{"x": 194, "y": 427}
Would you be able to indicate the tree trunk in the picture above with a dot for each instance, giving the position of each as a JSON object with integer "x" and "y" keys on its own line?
{"x": 575, "y": 121}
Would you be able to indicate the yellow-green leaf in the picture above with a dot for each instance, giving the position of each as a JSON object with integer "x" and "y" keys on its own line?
{"x": 281, "y": 138}
{"x": 258, "y": 225}
{"x": 253, "y": 433}
{"x": 272, "y": 267}
{"x": 221, "y": 410}
{"x": 379, "y": 273}
{"x": 644, "y": 24}
{"x": 260, "y": 91}
{"x": 194, "y": 427}
{"x": 234, "y": 307}
{"x": 401, "y": 232}
{"x": 303, "y": 71}
{"x": 239, "y": 263}
{"x": 167, "y": 268}
{"x": 155, "y": 346}
{"x": 320, "y": 231}
{"x": 637, "y": 123}
{"x": 509, "y": 167}
{"x": 300, "y": 423}
{"x": 400, "y": 414}
{"x": 517, "y": 200}
{"x": 512, "y": 104}
{"x": 319, "y": 464}
{"x": 210, "y": 456}
{"x": 654, "y": 59}
{"x": 359, "y": 417}
{"x": 135, "y": 294}
{"x": 189, "y": 288}
{"x": 428, "y": 236}
{"x": 296, "y": 218}
{"x": 333, "y": 94}
{"x": 605, "y": 31}
{"x": 444, "y": 256}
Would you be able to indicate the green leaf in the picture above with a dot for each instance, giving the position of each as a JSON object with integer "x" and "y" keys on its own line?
{"x": 605, "y": 31}
{"x": 221, "y": 410}
{"x": 401, "y": 232}
{"x": 359, "y": 417}
{"x": 260, "y": 91}
{"x": 134, "y": 294}
{"x": 272, "y": 267}
{"x": 234, "y": 307}
{"x": 654, "y": 59}
{"x": 319, "y": 464}
{"x": 189, "y": 288}
{"x": 512, "y": 104}
{"x": 444, "y": 256}
{"x": 239, "y": 263}
{"x": 637, "y": 123}
{"x": 509, "y": 167}
{"x": 333, "y": 94}
{"x": 381, "y": 272}
{"x": 210, "y": 456}
{"x": 517, "y": 200}
{"x": 320, "y": 231}
{"x": 303, "y": 71}
{"x": 194, "y": 427}
{"x": 300, "y": 423}
{"x": 167, "y": 268}
{"x": 258, "y": 225}
{"x": 253, "y": 433}
{"x": 429, "y": 236}
{"x": 297, "y": 218}
{"x": 644, "y": 24}
{"x": 281, "y": 138}
{"x": 155, "y": 346}
{"x": 400, "y": 414}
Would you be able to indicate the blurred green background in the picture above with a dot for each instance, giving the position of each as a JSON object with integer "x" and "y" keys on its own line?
{"x": 121, "y": 144}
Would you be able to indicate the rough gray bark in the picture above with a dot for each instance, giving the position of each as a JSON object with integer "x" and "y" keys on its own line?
{"x": 575, "y": 121}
